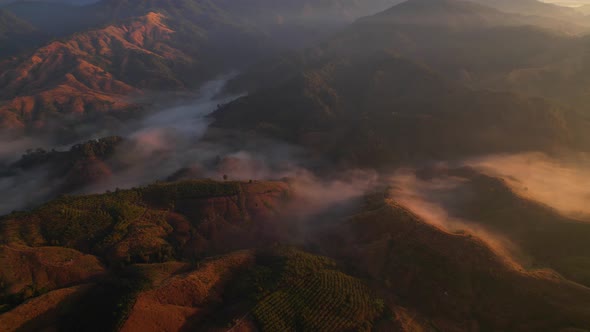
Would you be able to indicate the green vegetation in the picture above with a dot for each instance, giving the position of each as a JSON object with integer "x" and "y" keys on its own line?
{"x": 62, "y": 162}
{"x": 167, "y": 194}
{"x": 156, "y": 223}
{"x": 292, "y": 290}
{"x": 372, "y": 112}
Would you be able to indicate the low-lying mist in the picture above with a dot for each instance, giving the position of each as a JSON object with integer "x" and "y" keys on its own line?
{"x": 168, "y": 145}
{"x": 466, "y": 197}
{"x": 561, "y": 184}
{"x": 429, "y": 200}
{"x": 175, "y": 143}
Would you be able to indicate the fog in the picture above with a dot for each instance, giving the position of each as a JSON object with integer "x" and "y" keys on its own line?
{"x": 569, "y": 3}
{"x": 560, "y": 184}
{"x": 169, "y": 144}
{"x": 423, "y": 198}
{"x": 155, "y": 146}
{"x": 169, "y": 141}
{"x": 11, "y": 148}
{"x": 441, "y": 193}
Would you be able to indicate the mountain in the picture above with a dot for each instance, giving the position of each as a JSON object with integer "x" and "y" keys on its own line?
{"x": 72, "y": 76}
{"x": 449, "y": 13}
{"x": 16, "y": 35}
{"x": 10, "y": 24}
{"x": 477, "y": 46}
{"x": 203, "y": 255}
{"x": 459, "y": 14}
{"x": 541, "y": 236}
{"x": 382, "y": 184}
{"x": 85, "y": 164}
{"x": 534, "y": 7}
{"x": 585, "y": 9}
{"x": 411, "y": 258}
{"x": 149, "y": 45}
{"x": 385, "y": 109}
{"x": 54, "y": 19}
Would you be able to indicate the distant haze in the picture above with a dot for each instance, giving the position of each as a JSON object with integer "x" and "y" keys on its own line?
{"x": 569, "y": 3}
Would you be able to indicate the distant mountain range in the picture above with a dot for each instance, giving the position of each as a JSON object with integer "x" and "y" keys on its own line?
{"x": 377, "y": 217}
{"x": 16, "y": 34}
{"x": 145, "y": 45}
{"x": 255, "y": 30}
{"x": 408, "y": 112}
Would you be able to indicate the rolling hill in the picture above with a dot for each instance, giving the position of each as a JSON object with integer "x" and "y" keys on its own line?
{"x": 471, "y": 44}
{"x": 16, "y": 34}
{"x": 477, "y": 46}
{"x": 121, "y": 48}
{"x": 70, "y": 77}
{"x": 10, "y": 24}
{"x": 164, "y": 257}
{"x": 412, "y": 259}
{"x": 458, "y": 14}
{"x": 373, "y": 101}
{"x": 534, "y": 7}
{"x": 53, "y": 18}
{"x": 544, "y": 237}
{"x": 387, "y": 110}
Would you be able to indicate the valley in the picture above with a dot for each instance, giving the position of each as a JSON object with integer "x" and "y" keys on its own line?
{"x": 321, "y": 165}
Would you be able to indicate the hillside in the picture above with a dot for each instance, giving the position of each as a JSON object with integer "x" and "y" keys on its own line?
{"x": 10, "y": 24}
{"x": 544, "y": 237}
{"x": 534, "y": 7}
{"x": 372, "y": 112}
{"x": 478, "y": 47}
{"x": 44, "y": 16}
{"x": 150, "y": 260}
{"x": 136, "y": 225}
{"x": 56, "y": 173}
{"x": 451, "y": 13}
{"x": 122, "y": 48}
{"x": 185, "y": 222}
{"x": 474, "y": 45}
{"x": 461, "y": 14}
{"x": 89, "y": 73}
{"x": 411, "y": 259}
{"x": 318, "y": 165}
{"x": 16, "y": 34}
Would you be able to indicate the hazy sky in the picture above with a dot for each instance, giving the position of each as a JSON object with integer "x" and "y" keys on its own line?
{"x": 569, "y": 2}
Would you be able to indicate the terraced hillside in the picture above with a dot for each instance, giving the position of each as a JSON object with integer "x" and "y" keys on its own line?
{"x": 542, "y": 236}
{"x": 154, "y": 223}
{"x": 313, "y": 295}
{"x": 453, "y": 281}
{"x": 149, "y": 259}
{"x": 158, "y": 223}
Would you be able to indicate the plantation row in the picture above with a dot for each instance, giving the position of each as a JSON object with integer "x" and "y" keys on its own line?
{"x": 75, "y": 220}
{"x": 326, "y": 300}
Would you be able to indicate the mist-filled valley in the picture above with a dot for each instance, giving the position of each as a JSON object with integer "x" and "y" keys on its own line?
{"x": 319, "y": 165}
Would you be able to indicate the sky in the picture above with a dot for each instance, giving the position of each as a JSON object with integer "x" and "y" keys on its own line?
{"x": 571, "y": 3}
